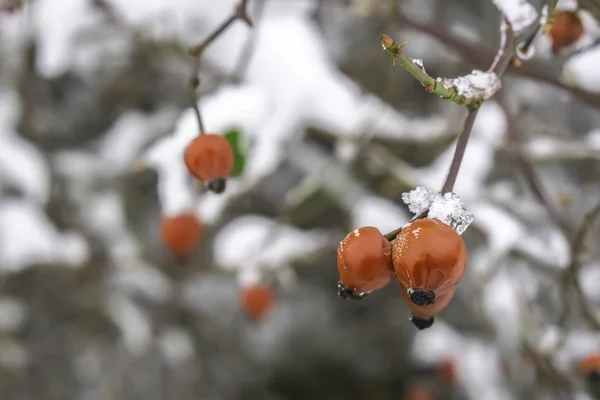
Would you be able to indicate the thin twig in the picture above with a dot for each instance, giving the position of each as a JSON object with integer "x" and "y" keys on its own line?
{"x": 417, "y": 71}
{"x": 244, "y": 60}
{"x": 239, "y": 13}
{"x": 571, "y": 275}
{"x": 459, "y": 151}
{"x": 499, "y": 66}
{"x": 526, "y": 167}
{"x": 481, "y": 56}
{"x": 544, "y": 25}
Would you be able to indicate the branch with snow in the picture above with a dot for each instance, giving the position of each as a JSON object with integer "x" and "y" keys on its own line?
{"x": 470, "y": 90}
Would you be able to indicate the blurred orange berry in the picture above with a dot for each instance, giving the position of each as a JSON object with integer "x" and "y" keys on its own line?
{"x": 418, "y": 393}
{"x": 589, "y": 366}
{"x": 180, "y": 233}
{"x": 210, "y": 159}
{"x": 447, "y": 373}
{"x": 257, "y": 300}
{"x": 566, "y": 29}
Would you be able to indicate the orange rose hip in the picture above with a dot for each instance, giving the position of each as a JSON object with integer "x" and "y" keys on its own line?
{"x": 589, "y": 366}
{"x": 257, "y": 300}
{"x": 210, "y": 159}
{"x": 430, "y": 259}
{"x": 180, "y": 233}
{"x": 566, "y": 29}
{"x": 364, "y": 260}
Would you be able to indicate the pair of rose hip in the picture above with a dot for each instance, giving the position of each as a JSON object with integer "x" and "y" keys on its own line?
{"x": 428, "y": 257}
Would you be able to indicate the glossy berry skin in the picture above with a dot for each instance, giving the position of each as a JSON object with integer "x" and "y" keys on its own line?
{"x": 210, "y": 159}
{"x": 364, "y": 260}
{"x": 180, "y": 233}
{"x": 257, "y": 300}
{"x": 589, "y": 366}
{"x": 430, "y": 259}
{"x": 566, "y": 30}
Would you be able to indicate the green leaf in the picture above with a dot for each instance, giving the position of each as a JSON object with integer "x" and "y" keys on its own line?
{"x": 236, "y": 140}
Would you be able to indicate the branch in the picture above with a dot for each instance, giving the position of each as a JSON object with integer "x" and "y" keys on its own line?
{"x": 528, "y": 170}
{"x": 246, "y": 55}
{"x": 240, "y": 12}
{"x": 544, "y": 24}
{"x": 499, "y": 65}
{"x": 501, "y": 62}
{"x": 571, "y": 274}
{"x": 415, "y": 68}
{"x": 481, "y": 56}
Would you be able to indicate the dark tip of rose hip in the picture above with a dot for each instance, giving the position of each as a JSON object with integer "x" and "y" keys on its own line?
{"x": 421, "y": 323}
{"x": 349, "y": 294}
{"x": 421, "y": 297}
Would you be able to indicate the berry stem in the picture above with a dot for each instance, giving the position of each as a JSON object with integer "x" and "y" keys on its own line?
{"x": 194, "y": 98}
{"x": 240, "y": 12}
{"x": 459, "y": 152}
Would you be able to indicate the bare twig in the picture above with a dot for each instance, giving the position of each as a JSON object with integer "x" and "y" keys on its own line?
{"x": 481, "y": 56}
{"x": 526, "y": 167}
{"x": 459, "y": 151}
{"x": 417, "y": 71}
{"x": 501, "y": 62}
{"x": 544, "y": 25}
{"x": 571, "y": 277}
{"x": 246, "y": 55}
{"x": 239, "y": 13}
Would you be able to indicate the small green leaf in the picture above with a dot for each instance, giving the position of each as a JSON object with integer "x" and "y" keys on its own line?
{"x": 236, "y": 140}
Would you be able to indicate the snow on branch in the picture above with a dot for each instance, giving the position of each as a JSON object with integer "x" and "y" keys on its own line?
{"x": 470, "y": 90}
{"x": 519, "y": 13}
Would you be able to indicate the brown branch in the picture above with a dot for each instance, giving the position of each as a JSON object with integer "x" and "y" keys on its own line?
{"x": 551, "y": 10}
{"x": 459, "y": 152}
{"x": 499, "y": 65}
{"x": 240, "y": 12}
{"x": 482, "y": 55}
{"x": 571, "y": 274}
{"x": 528, "y": 170}
{"x": 244, "y": 60}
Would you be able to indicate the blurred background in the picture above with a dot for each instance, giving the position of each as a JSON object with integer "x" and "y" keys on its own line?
{"x": 95, "y": 115}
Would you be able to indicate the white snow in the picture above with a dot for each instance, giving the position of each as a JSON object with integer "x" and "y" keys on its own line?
{"x": 476, "y": 84}
{"x": 580, "y": 70}
{"x": 525, "y": 54}
{"x": 176, "y": 345}
{"x": 450, "y": 209}
{"x": 22, "y": 165}
{"x": 519, "y": 13}
{"x": 27, "y": 237}
{"x": 502, "y": 306}
{"x": 135, "y": 277}
{"x": 132, "y": 321}
{"x": 254, "y": 241}
{"x": 419, "y": 200}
